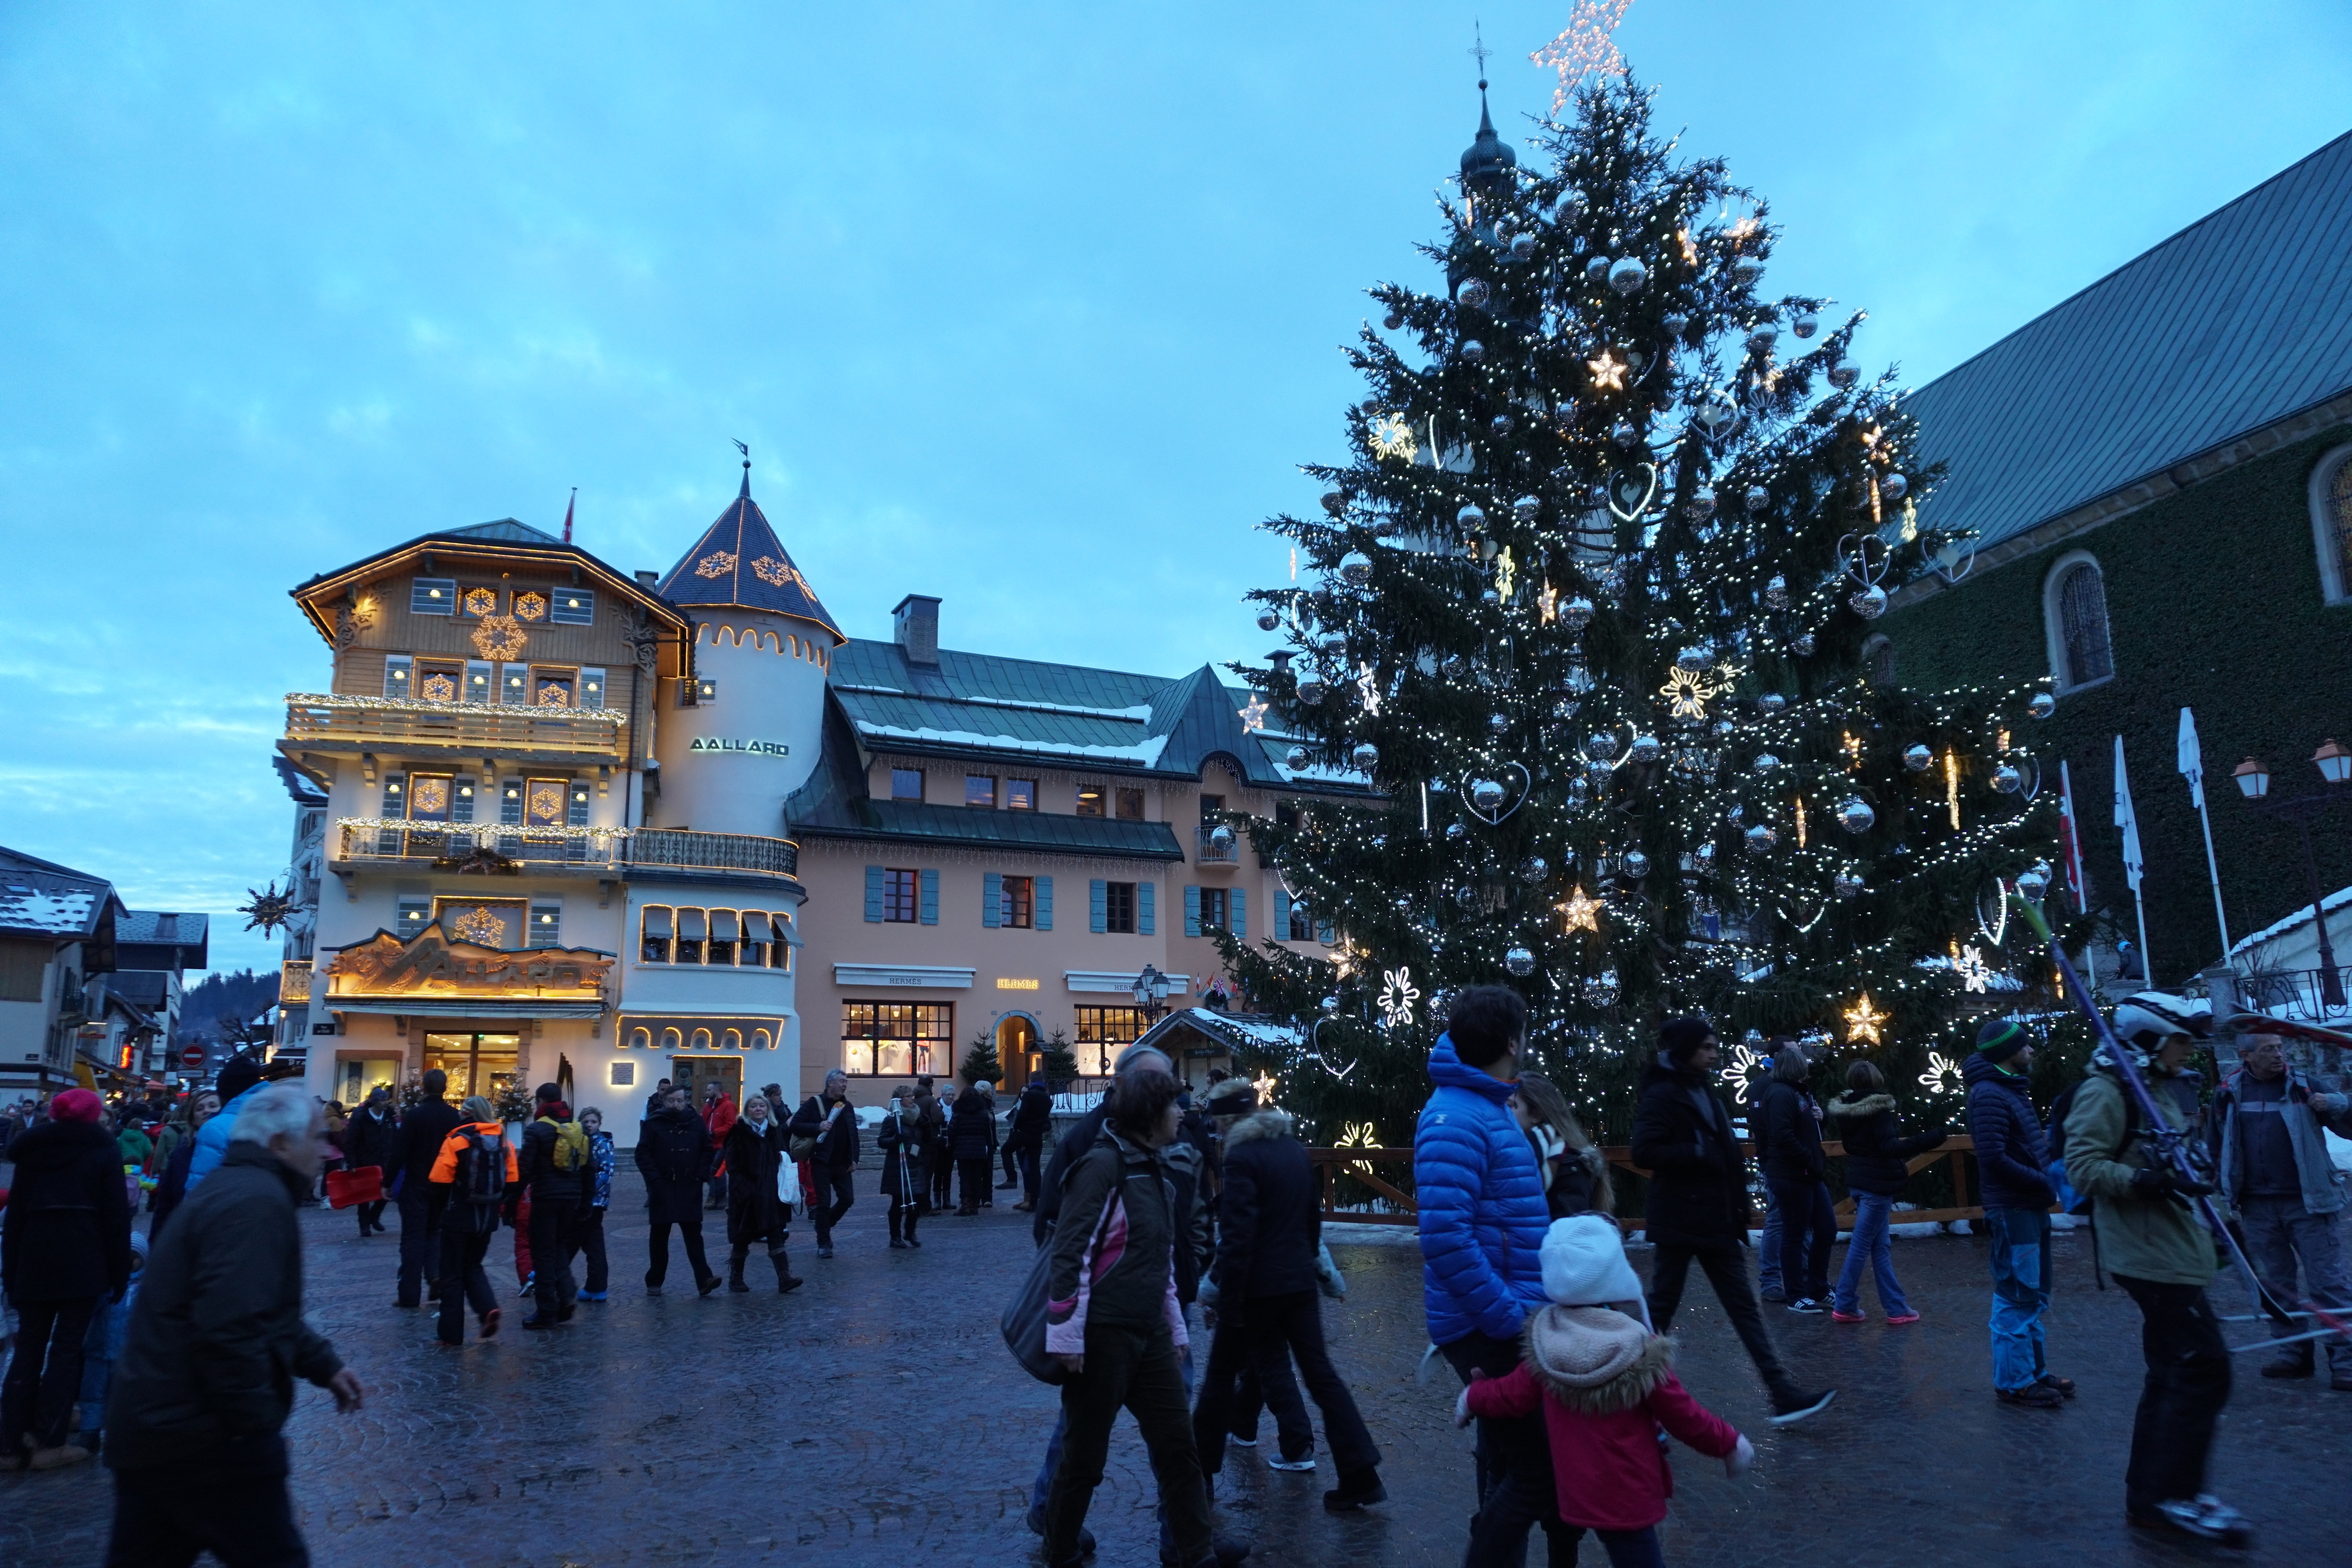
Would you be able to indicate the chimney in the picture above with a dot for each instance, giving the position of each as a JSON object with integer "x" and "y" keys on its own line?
{"x": 649, "y": 579}
{"x": 917, "y": 620}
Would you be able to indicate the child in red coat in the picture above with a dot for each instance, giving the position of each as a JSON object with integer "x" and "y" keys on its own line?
{"x": 1606, "y": 1385}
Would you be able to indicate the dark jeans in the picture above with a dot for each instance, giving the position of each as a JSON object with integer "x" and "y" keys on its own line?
{"x": 1514, "y": 1476}
{"x": 167, "y": 1517}
{"x": 420, "y": 1241}
{"x": 554, "y": 1237}
{"x": 1010, "y": 1155}
{"x": 904, "y": 1211}
{"x": 1259, "y": 1389}
{"x": 1808, "y": 1231}
{"x": 1275, "y": 1330}
{"x": 592, "y": 1244}
{"x": 942, "y": 1181}
{"x": 370, "y": 1217}
{"x": 1725, "y": 1264}
{"x": 1029, "y": 1173}
{"x": 1134, "y": 1369}
{"x": 2187, "y": 1383}
{"x": 464, "y": 1280}
{"x": 44, "y": 1375}
{"x": 975, "y": 1183}
{"x": 658, "y": 1252}
{"x": 835, "y": 1192}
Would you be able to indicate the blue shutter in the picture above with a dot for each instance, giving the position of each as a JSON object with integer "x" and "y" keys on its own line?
{"x": 992, "y": 897}
{"x": 1192, "y": 911}
{"x": 1146, "y": 922}
{"x": 461, "y": 801}
{"x": 1241, "y": 912}
{"x": 931, "y": 898}
{"x": 1281, "y": 916}
{"x": 1327, "y": 934}
{"x": 1097, "y": 912}
{"x": 1044, "y": 904}
{"x": 874, "y": 893}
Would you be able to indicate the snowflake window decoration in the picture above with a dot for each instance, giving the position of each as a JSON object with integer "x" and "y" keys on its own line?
{"x": 1398, "y": 994}
{"x": 480, "y": 600}
{"x": 499, "y": 637}
{"x": 1943, "y": 1075}
{"x": 717, "y": 563}
{"x": 437, "y": 689}
{"x": 1393, "y": 437}
{"x": 554, "y": 694}
{"x": 1736, "y": 1071}
{"x": 482, "y": 927}
{"x": 546, "y": 805}
{"x": 530, "y": 607}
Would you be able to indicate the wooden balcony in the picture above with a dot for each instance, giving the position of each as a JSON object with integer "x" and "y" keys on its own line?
{"x": 604, "y": 853}
{"x": 318, "y": 722}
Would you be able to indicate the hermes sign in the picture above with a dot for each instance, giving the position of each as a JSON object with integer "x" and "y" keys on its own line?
{"x": 434, "y": 966}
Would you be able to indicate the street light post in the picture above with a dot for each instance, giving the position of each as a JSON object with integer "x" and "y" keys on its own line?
{"x": 2334, "y": 764}
{"x": 1150, "y": 993}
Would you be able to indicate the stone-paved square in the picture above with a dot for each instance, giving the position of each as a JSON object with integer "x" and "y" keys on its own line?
{"x": 875, "y": 1419}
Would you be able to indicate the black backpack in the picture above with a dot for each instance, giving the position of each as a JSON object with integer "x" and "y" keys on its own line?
{"x": 481, "y": 1183}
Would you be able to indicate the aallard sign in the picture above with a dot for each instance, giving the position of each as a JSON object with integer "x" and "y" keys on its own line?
{"x": 434, "y": 964}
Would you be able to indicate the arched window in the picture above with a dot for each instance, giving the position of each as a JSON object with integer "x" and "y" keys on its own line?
{"x": 641, "y": 1039}
{"x": 762, "y": 1040}
{"x": 671, "y": 1038}
{"x": 2331, "y": 523}
{"x": 701, "y": 1040}
{"x": 2074, "y": 612}
{"x": 731, "y": 1040}
{"x": 1878, "y": 661}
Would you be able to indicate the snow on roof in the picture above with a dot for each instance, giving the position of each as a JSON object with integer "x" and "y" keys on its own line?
{"x": 1147, "y": 754}
{"x": 2299, "y": 918}
{"x": 59, "y": 913}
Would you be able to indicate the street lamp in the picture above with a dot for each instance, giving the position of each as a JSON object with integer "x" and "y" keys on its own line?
{"x": 1150, "y": 993}
{"x": 2334, "y": 764}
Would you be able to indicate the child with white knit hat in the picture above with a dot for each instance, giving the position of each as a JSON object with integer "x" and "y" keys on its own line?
{"x": 1606, "y": 1386}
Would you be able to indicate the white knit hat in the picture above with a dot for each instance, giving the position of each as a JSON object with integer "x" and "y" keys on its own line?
{"x": 1584, "y": 1263}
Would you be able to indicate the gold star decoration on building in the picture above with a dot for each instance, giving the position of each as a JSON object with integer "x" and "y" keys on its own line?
{"x": 1584, "y": 914}
{"x": 1687, "y": 692}
{"x": 1862, "y": 1021}
{"x": 1253, "y": 715}
{"x": 1608, "y": 371}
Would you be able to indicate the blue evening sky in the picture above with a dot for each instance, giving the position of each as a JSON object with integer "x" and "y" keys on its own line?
{"x": 1035, "y": 307}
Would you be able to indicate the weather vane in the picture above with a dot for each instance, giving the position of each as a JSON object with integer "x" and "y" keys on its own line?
{"x": 1479, "y": 51}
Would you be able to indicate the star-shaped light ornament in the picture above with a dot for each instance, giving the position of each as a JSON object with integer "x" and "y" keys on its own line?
{"x": 1608, "y": 371}
{"x": 1547, "y": 603}
{"x": 1862, "y": 1021}
{"x": 1582, "y": 914}
{"x": 1969, "y": 964}
{"x": 1943, "y": 1075}
{"x": 1253, "y": 715}
{"x": 1687, "y": 692}
{"x": 1398, "y": 994}
{"x": 1264, "y": 1086}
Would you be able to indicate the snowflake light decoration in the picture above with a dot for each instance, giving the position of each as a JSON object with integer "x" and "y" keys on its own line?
{"x": 268, "y": 910}
{"x": 1398, "y": 994}
{"x": 499, "y": 637}
{"x": 1584, "y": 47}
{"x": 777, "y": 573}
{"x": 1394, "y": 437}
{"x": 1368, "y": 687}
{"x": 1970, "y": 964}
{"x": 482, "y": 927}
{"x": 1358, "y": 1135}
{"x": 1506, "y": 575}
{"x": 1584, "y": 914}
{"x": 1688, "y": 692}
{"x": 1736, "y": 1071}
{"x": 717, "y": 563}
{"x": 1943, "y": 1075}
{"x": 1862, "y": 1021}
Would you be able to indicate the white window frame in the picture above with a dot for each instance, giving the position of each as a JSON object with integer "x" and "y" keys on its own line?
{"x": 2333, "y": 588}
{"x": 2054, "y": 622}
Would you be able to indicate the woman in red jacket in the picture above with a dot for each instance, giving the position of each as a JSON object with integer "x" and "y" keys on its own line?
{"x": 1606, "y": 1385}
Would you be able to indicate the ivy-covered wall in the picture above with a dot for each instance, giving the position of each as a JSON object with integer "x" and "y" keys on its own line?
{"x": 2214, "y": 602}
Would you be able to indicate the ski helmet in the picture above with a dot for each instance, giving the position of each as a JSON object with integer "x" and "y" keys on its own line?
{"x": 2144, "y": 1021}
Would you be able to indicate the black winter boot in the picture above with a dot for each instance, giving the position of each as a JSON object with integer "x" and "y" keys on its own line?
{"x": 785, "y": 1278}
{"x": 735, "y": 1284}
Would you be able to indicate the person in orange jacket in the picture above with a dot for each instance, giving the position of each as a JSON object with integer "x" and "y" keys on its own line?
{"x": 719, "y": 1114}
{"x": 472, "y": 1172}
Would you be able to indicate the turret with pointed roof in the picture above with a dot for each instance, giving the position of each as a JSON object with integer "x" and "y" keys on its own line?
{"x": 1486, "y": 162}
{"x": 738, "y": 563}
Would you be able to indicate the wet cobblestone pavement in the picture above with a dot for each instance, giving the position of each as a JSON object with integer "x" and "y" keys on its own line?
{"x": 875, "y": 1419}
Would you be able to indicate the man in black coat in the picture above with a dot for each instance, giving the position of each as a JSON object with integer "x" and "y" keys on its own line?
{"x": 1789, "y": 1142}
{"x": 674, "y": 1156}
{"x": 552, "y": 1165}
{"x": 66, "y": 1245}
{"x": 1033, "y": 1119}
{"x": 1270, "y": 1229}
{"x": 832, "y": 1122}
{"x": 972, "y": 1136}
{"x": 423, "y": 1131}
{"x": 372, "y": 1138}
{"x": 1698, "y": 1205}
{"x": 206, "y": 1377}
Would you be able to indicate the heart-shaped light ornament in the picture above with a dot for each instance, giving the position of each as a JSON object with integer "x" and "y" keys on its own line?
{"x": 1492, "y": 816}
{"x": 1631, "y": 492}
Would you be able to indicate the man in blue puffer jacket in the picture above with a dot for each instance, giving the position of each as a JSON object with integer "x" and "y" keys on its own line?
{"x": 1482, "y": 1219}
{"x": 240, "y": 1076}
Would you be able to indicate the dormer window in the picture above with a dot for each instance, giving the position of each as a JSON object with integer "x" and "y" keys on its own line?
{"x": 479, "y": 602}
{"x": 530, "y": 607}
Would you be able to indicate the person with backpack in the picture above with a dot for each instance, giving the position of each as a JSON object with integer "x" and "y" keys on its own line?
{"x": 2017, "y": 1196}
{"x": 674, "y": 1157}
{"x": 65, "y": 1249}
{"x": 1877, "y": 1164}
{"x": 471, "y": 1176}
{"x": 557, "y": 1170}
{"x": 1789, "y": 1145}
{"x": 756, "y": 1207}
{"x": 601, "y": 1165}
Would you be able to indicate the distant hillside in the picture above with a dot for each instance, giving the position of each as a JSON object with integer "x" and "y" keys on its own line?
{"x": 236, "y": 996}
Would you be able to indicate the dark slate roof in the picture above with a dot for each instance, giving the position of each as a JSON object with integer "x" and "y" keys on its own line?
{"x": 149, "y": 939}
{"x": 41, "y": 898}
{"x": 2240, "y": 320}
{"x": 738, "y": 563}
{"x": 299, "y": 787}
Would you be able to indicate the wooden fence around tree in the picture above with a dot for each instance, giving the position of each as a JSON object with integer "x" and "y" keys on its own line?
{"x": 1371, "y": 1187}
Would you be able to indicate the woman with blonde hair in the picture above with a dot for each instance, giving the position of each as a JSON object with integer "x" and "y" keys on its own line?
{"x": 1575, "y": 1175}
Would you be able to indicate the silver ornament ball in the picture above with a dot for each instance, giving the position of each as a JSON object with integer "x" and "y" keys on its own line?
{"x": 1628, "y": 276}
{"x": 2007, "y": 780}
{"x": 1747, "y": 269}
{"x": 1917, "y": 758}
{"x": 1471, "y": 516}
{"x": 1845, "y": 373}
{"x": 1310, "y": 692}
{"x": 1854, "y": 815}
{"x": 1577, "y": 613}
{"x": 1455, "y": 832}
{"x": 1526, "y": 508}
{"x": 2034, "y": 883}
{"x": 1772, "y": 702}
{"x": 1766, "y": 762}
{"x": 1762, "y": 339}
{"x": 1848, "y": 884}
{"x": 1523, "y": 245}
{"x": 1597, "y": 269}
{"x": 1600, "y": 991}
{"x": 1760, "y": 836}
{"x": 1356, "y": 568}
{"x": 1805, "y": 325}
{"x": 1268, "y": 621}
{"x": 1646, "y": 748}
{"x": 1758, "y": 497}
{"x": 1893, "y": 488}
{"x": 1633, "y": 865}
{"x": 1802, "y": 644}
{"x": 1519, "y": 961}
{"x": 1533, "y": 869}
{"x": 1676, "y": 323}
{"x": 1776, "y": 593}
{"x": 1295, "y": 757}
{"x": 1870, "y": 603}
{"x": 2041, "y": 706}
{"x": 1474, "y": 350}
{"x": 1497, "y": 723}
{"x": 1702, "y": 502}
{"x": 1485, "y": 794}
{"x": 1473, "y": 293}
{"x": 1366, "y": 756}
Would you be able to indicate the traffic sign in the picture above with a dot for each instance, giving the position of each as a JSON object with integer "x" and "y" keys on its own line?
{"x": 192, "y": 1056}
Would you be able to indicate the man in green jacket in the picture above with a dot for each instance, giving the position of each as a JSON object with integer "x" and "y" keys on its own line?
{"x": 2157, "y": 1245}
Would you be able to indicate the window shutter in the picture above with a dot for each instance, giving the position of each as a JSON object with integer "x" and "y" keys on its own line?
{"x": 461, "y": 800}
{"x": 1328, "y": 935}
{"x": 930, "y": 897}
{"x": 1097, "y": 901}
{"x": 1044, "y": 911}
{"x": 1192, "y": 911}
{"x": 592, "y": 688}
{"x": 510, "y": 803}
{"x": 576, "y": 812}
{"x": 477, "y": 682}
{"x": 1146, "y": 922}
{"x": 991, "y": 895}
{"x": 514, "y": 683}
{"x": 1281, "y": 916}
{"x": 874, "y": 894}
{"x": 397, "y": 668}
{"x": 395, "y": 796}
{"x": 1241, "y": 912}
{"x": 546, "y": 926}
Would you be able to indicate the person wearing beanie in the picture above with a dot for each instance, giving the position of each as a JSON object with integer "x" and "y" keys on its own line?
{"x": 2017, "y": 1195}
{"x": 1697, "y": 1210}
{"x": 66, "y": 1247}
{"x": 1605, "y": 1385}
{"x": 240, "y": 1077}
{"x": 373, "y": 1139}
{"x": 555, "y": 1166}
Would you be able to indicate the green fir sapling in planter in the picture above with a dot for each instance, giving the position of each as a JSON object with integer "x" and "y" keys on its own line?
{"x": 1061, "y": 1064}
{"x": 1591, "y": 602}
{"x": 980, "y": 1064}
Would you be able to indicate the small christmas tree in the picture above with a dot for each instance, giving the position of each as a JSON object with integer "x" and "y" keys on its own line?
{"x": 1061, "y": 1061}
{"x": 1592, "y": 605}
{"x": 980, "y": 1064}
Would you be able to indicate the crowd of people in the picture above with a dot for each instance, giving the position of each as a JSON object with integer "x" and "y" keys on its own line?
{"x": 1156, "y": 1219}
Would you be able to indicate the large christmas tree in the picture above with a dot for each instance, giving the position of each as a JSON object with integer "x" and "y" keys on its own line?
{"x": 1592, "y": 603}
